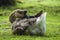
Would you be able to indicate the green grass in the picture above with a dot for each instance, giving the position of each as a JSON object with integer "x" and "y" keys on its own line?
{"x": 52, "y": 23}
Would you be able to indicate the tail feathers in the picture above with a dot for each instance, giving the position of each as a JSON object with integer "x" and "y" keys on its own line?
{"x": 39, "y": 14}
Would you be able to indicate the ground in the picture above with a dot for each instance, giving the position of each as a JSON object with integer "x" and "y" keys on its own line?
{"x": 52, "y": 7}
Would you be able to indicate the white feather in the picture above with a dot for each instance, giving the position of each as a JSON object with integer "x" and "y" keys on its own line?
{"x": 40, "y": 25}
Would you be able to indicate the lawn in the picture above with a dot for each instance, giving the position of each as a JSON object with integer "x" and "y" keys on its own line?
{"x": 52, "y": 7}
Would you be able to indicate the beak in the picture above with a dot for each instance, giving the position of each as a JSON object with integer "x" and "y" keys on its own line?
{"x": 25, "y": 11}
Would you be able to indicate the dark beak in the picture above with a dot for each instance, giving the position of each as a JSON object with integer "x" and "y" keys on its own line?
{"x": 25, "y": 11}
